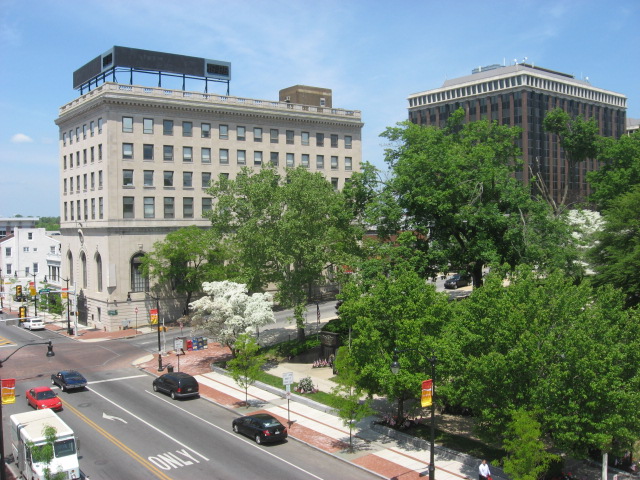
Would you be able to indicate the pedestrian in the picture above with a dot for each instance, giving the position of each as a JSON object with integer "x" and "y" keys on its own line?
{"x": 485, "y": 473}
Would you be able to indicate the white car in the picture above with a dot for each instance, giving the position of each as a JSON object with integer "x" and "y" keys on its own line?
{"x": 35, "y": 323}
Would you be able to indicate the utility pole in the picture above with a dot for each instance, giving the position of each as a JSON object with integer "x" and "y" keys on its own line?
{"x": 69, "y": 331}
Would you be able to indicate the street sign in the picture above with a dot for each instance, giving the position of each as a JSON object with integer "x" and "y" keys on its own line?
{"x": 44, "y": 290}
{"x": 136, "y": 310}
{"x": 112, "y": 312}
{"x": 287, "y": 378}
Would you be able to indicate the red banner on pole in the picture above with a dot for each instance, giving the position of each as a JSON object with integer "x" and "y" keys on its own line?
{"x": 64, "y": 292}
{"x": 153, "y": 314}
{"x": 427, "y": 393}
{"x": 8, "y": 390}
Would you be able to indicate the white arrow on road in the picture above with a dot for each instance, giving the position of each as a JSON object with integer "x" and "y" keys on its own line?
{"x": 111, "y": 417}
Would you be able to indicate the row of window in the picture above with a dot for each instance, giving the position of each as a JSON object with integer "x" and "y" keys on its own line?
{"x": 87, "y": 155}
{"x": 82, "y": 131}
{"x": 88, "y": 181}
{"x": 241, "y": 156}
{"x": 75, "y": 210}
{"x": 241, "y": 132}
{"x": 27, "y": 270}
{"x": 139, "y": 282}
{"x": 168, "y": 207}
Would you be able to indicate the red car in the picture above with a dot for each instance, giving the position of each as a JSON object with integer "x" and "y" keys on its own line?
{"x": 43, "y": 397}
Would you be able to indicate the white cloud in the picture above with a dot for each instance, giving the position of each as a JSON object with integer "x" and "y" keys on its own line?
{"x": 21, "y": 138}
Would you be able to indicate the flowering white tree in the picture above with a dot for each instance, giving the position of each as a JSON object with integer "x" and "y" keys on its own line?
{"x": 227, "y": 311}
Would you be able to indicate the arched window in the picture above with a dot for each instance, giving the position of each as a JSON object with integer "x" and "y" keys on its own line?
{"x": 99, "y": 272}
{"x": 139, "y": 282}
{"x": 83, "y": 265}
{"x": 70, "y": 267}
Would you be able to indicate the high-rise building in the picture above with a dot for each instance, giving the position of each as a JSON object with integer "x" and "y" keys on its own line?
{"x": 521, "y": 95}
{"x": 136, "y": 161}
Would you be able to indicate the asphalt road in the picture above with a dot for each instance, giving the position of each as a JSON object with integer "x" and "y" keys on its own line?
{"x": 128, "y": 431}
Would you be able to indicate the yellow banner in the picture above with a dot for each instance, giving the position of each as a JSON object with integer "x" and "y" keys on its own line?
{"x": 8, "y": 391}
{"x": 154, "y": 316}
{"x": 427, "y": 393}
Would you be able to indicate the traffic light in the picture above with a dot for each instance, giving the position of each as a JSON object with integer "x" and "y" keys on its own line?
{"x": 22, "y": 312}
{"x": 19, "y": 292}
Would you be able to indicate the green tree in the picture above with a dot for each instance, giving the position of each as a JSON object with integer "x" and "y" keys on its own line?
{"x": 347, "y": 395}
{"x": 619, "y": 170}
{"x": 579, "y": 140}
{"x": 245, "y": 367}
{"x": 527, "y": 458}
{"x": 45, "y": 453}
{"x": 287, "y": 230}
{"x": 185, "y": 259}
{"x": 458, "y": 194}
{"x": 615, "y": 256}
{"x": 49, "y": 223}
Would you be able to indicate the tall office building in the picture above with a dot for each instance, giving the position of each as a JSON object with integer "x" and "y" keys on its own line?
{"x": 521, "y": 95}
{"x": 135, "y": 162}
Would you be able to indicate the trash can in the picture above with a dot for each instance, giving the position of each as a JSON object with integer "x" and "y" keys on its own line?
{"x": 170, "y": 368}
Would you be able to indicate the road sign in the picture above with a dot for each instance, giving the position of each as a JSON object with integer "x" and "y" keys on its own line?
{"x": 136, "y": 310}
{"x": 287, "y": 378}
{"x": 44, "y": 290}
{"x": 112, "y": 312}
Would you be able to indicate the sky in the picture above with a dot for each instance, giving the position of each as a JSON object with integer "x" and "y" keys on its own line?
{"x": 373, "y": 54}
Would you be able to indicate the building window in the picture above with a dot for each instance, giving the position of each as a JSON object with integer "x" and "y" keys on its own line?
{"x": 148, "y": 178}
{"x": 99, "y": 178}
{"x": 323, "y": 102}
{"x": 127, "y": 207}
{"x": 71, "y": 204}
{"x": 206, "y": 204}
{"x": 334, "y": 140}
{"x": 223, "y": 132}
{"x": 241, "y": 133}
{"x": 64, "y": 162}
{"x": 224, "y": 156}
{"x": 93, "y": 209}
{"x": 7, "y": 251}
{"x": 206, "y": 179}
{"x": 64, "y": 186}
{"x": 257, "y": 134}
{"x": 92, "y": 126}
{"x": 273, "y": 135}
{"x": 127, "y": 178}
{"x": 334, "y": 183}
{"x": 98, "y": 272}
{"x": 9, "y": 269}
{"x": 187, "y": 179}
{"x": 77, "y": 159}
{"x": 93, "y": 154}
{"x": 149, "y": 207}
{"x": 290, "y": 137}
{"x": 147, "y": 151}
{"x": 86, "y": 209}
{"x": 100, "y": 152}
{"x": 242, "y": 157}
{"x": 304, "y": 138}
{"x": 348, "y": 141}
{"x": 168, "y": 178}
{"x": 139, "y": 281}
{"x": 167, "y": 127}
{"x": 304, "y": 161}
{"x": 347, "y": 163}
{"x": 25, "y": 249}
{"x": 169, "y": 211}
{"x": 127, "y": 124}
{"x": 290, "y": 160}
{"x": 100, "y": 125}
{"x": 84, "y": 182}
{"x": 84, "y": 131}
{"x": 147, "y": 125}
{"x": 127, "y": 151}
{"x": 167, "y": 153}
{"x": 101, "y": 208}
{"x": 319, "y": 162}
{"x": 187, "y": 154}
{"x": 275, "y": 161}
{"x": 70, "y": 270}
{"x": 334, "y": 163}
{"x": 319, "y": 139}
{"x": 83, "y": 266}
{"x": 187, "y": 207}
{"x": 84, "y": 156}
{"x": 205, "y": 130}
{"x": 257, "y": 158}
{"x": 205, "y": 155}
{"x": 187, "y": 129}
{"x": 64, "y": 139}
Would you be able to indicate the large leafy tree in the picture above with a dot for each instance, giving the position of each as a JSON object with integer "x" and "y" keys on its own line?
{"x": 227, "y": 311}
{"x": 543, "y": 343}
{"x": 285, "y": 230}
{"x": 615, "y": 256}
{"x": 185, "y": 259}
{"x": 457, "y": 192}
{"x": 619, "y": 170}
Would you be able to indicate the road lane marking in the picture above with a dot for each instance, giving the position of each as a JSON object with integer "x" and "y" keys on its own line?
{"x": 117, "y": 379}
{"x": 141, "y": 460}
{"x": 233, "y": 435}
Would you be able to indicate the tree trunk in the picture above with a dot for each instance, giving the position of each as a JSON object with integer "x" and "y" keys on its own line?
{"x": 476, "y": 274}
{"x": 400, "y": 410}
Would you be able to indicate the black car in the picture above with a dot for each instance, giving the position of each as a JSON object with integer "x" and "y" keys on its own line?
{"x": 69, "y": 380}
{"x": 261, "y": 427}
{"x": 177, "y": 385}
{"x": 457, "y": 281}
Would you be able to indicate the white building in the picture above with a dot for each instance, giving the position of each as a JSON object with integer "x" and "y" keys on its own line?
{"x": 135, "y": 162}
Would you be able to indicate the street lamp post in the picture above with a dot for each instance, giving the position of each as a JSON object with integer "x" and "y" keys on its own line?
{"x": 160, "y": 367}
{"x": 395, "y": 368}
{"x": 35, "y": 297}
{"x": 69, "y": 331}
{"x": 50, "y": 353}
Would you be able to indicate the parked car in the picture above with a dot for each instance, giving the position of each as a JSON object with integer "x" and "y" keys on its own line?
{"x": 35, "y": 323}
{"x": 177, "y": 385}
{"x": 457, "y": 281}
{"x": 68, "y": 380}
{"x": 43, "y": 397}
{"x": 261, "y": 427}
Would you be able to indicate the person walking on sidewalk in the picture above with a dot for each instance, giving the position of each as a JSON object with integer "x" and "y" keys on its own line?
{"x": 484, "y": 472}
